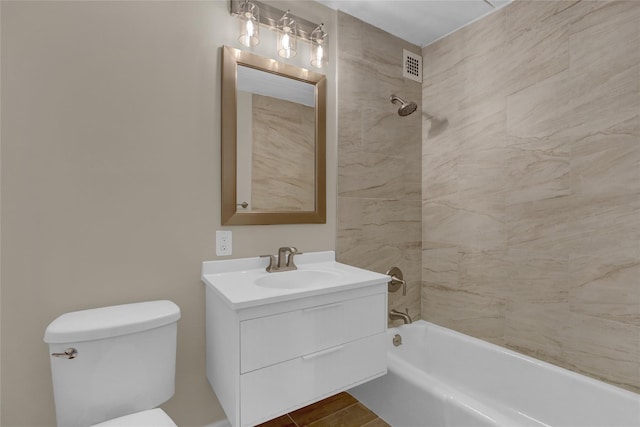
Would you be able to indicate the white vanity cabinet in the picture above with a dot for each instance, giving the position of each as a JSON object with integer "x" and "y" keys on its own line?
{"x": 271, "y": 355}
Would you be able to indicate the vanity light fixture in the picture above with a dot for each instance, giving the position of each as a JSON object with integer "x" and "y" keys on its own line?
{"x": 289, "y": 28}
{"x": 287, "y": 41}
{"x": 249, "y": 28}
{"x": 319, "y": 52}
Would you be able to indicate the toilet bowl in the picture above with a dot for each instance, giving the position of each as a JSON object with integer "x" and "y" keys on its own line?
{"x": 112, "y": 366}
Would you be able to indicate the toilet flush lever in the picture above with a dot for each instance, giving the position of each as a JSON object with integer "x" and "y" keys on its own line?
{"x": 70, "y": 353}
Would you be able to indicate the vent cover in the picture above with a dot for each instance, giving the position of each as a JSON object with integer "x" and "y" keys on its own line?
{"x": 412, "y": 66}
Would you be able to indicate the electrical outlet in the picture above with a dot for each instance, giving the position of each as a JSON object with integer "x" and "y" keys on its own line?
{"x": 223, "y": 242}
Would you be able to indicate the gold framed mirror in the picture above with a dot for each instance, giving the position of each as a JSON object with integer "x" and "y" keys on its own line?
{"x": 273, "y": 141}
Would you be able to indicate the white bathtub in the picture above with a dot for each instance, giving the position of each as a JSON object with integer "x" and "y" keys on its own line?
{"x": 439, "y": 377}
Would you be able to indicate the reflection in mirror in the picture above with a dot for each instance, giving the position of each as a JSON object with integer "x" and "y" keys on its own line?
{"x": 273, "y": 141}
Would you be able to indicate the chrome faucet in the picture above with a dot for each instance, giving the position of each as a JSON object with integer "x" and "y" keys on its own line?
{"x": 395, "y": 314}
{"x": 284, "y": 261}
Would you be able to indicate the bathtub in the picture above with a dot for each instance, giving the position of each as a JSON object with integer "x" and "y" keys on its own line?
{"x": 439, "y": 377}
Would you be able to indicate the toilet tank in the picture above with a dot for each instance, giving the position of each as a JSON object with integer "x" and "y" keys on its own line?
{"x": 125, "y": 362}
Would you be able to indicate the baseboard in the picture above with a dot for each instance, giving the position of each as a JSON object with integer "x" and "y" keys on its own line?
{"x": 221, "y": 423}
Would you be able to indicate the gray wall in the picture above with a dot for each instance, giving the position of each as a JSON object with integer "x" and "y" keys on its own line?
{"x": 531, "y": 193}
{"x": 111, "y": 177}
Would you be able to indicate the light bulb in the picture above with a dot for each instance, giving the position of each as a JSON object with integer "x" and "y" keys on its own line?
{"x": 319, "y": 51}
{"x": 249, "y": 28}
{"x": 249, "y": 15}
{"x": 287, "y": 40}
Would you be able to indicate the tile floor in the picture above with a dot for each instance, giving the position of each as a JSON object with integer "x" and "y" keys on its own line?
{"x": 341, "y": 410}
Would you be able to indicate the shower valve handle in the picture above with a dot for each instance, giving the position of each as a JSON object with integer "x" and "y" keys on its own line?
{"x": 397, "y": 280}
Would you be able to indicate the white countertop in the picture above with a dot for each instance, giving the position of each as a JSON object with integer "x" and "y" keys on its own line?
{"x": 235, "y": 280}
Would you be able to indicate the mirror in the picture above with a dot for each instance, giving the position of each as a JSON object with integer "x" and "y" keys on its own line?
{"x": 273, "y": 142}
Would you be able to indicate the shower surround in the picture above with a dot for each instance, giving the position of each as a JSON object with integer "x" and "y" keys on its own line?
{"x": 379, "y": 206}
{"x": 531, "y": 195}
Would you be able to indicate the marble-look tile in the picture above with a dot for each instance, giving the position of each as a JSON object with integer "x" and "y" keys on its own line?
{"x": 473, "y": 314}
{"x": 483, "y": 172}
{"x": 604, "y": 70}
{"x": 357, "y": 77}
{"x": 380, "y": 223}
{"x": 484, "y": 48}
{"x": 372, "y": 175}
{"x": 463, "y": 220}
{"x": 379, "y": 159}
{"x": 538, "y": 169}
{"x": 609, "y": 35}
{"x": 484, "y": 36}
{"x": 445, "y": 55}
{"x": 604, "y": 226}
{"x": 282, "y": 128}
{"x": 595, "y": 106}
{"x": 540, "y": 226}
{"x": 537, "y": 49}
{"x": 445, "y": 91}
{"x": 540, "y": 110}
{"x": 379, "y": 234}
{"x": 478, "y": 120}
{"x": 379, "y": 257}
{"x": 391, "y": 221}
{"x": 385, "y": 53}
{"x": 385, "y": 132}
{"x": 438, "y": 138}
{"x": 522, "y": 16}
{"x": 603, "y": 349}
{"x": 607, "y": 162}
{"x": 606, "y": 287}
{"x": 484, "y": 273}
{"x": 358, "y": 252}
{"x": 350, "y": 38}
{"x": 599, "y": 13}
{"x": 531, "y": 194}
{"x": 439, "y": 176}
{"x": 532, "y": 329}
{"x": 537, "y": 277}
{"x": 441, "y": 266}
{"x": 349, "y": 129}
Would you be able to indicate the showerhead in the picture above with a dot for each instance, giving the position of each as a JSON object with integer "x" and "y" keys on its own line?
{"x": 406, "y": 108}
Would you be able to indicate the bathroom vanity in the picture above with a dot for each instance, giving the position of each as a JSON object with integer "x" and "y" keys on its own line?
{"x": 279, "y": 341}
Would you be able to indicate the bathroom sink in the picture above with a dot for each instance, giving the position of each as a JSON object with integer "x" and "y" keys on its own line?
{"x": 303, "y": 279}
{"x": 244, "y": 282}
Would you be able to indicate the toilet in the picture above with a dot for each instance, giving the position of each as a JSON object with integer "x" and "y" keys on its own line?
{"x": 112, "y": 366}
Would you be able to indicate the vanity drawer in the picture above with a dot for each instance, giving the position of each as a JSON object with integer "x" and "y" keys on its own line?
{"x": 273, "y": 339}
{"x": 275, "y": 390}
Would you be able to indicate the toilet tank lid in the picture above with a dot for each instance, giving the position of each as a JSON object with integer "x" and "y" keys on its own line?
{"x": 106, "y": 322}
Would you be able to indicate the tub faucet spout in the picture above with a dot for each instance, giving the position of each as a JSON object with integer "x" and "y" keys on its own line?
{"x": 395, "y": 314}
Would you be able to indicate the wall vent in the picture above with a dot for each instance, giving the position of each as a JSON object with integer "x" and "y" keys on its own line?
{"x": 412, "y": 66}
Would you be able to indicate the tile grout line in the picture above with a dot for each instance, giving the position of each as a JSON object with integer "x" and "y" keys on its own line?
{"x": 333, "y": 413}
{"x": 292, "y": 420}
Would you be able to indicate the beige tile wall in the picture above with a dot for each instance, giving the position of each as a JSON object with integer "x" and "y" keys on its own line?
{"x": 379, "y": 212}
{"x": 531, "y": 193}
{"x": 283, "y": 155}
